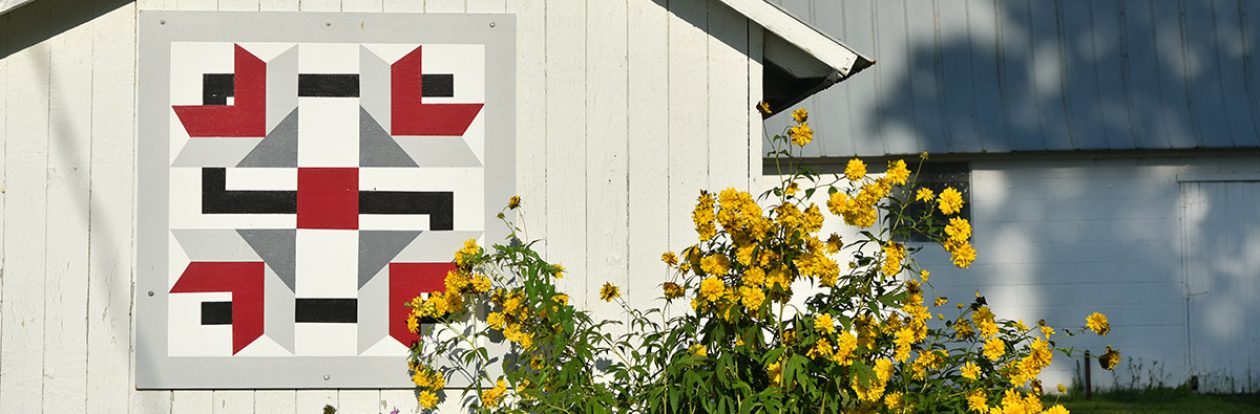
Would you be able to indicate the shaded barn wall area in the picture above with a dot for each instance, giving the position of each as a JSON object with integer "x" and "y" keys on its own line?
{"x": 1059, "y": 238}
{"x": 1150, "y": 242}
{"x": 997, "y": 76}
{"x": 626, "y": 108}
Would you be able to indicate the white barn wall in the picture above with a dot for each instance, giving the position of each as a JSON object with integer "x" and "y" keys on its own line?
{"x": 1063, "y": 236}
{"x": 1060, "y": 238}
{"x": 626, "y": 108}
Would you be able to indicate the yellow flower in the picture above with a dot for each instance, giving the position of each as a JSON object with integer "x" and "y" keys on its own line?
{"x": 672, "y": 290}
{"x": 893, "y": 400}
{"x": 977, "y": 401}
{"x": 1057, "y": 409}
{"x": 894, "y": 253}
{"x": 1062, "y": 388}
{"x": 699, "y": 350}
{"x": 775, "y": 371}
{"x": 496, "y": 320}
{"x": 1097, "y": 322}
{"x": 669, "y": 258}
{"x": 897, "y": 172}
{"x": 711, "y": 288}
{"x": 413, "y": 323}
{"x": 970, "y": 371}
{"x": 560, "y": 298}
{"x": 924, "y": 194}
{"x": 491, "y": 397}
{"x": 874, "y": 389}
{"x": 905, "y": 338}
{"x": 801, "y": 134}
{"x": 958, "y": 229}
{"x": 984, "y": 320}
{"x": 822, "y": 348}
{"x": 950, "y": 202}
{"x": 764, "y": 107}
{"x": 514, "y": 202}
{"x": 557, "y": 271}
{"x": 703, "y": 216}
{"x": 715, "y": 264}
{"x": 1109, "y": 359}
{"x": 940, "y": 301}
{"x": 463, "y": 257}
{"x": 609, "y": 292}
{"x": 480, "y": 284}
{"x": 824, "y": 323}
{"x": 994, "y": 349}
{"x": 752, "y": 297}
{"x": 834, "y": 243}
{"x": 428, "y": 400}
{"x": 800, "y": 115}
{"x": 791, "y": 189}
{"x": 962, "y": 253}
{"x": 855, "y": 169}
{"x": 846, "y": 343}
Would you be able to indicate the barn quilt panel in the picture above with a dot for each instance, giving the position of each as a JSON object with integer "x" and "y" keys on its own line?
{"x": 303, "y": 175}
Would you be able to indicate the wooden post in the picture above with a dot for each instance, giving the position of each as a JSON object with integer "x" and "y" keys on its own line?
{"x": 1089, "y": 386}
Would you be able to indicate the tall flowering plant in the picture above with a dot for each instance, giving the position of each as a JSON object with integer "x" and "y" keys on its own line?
{"x": 863, "y": 339}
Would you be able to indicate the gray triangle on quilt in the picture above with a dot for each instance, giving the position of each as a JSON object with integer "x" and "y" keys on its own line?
{"x": 376, "y": 147}
{"x": 279, "y": 148}
{"x": 377, "y": 248}
{"x": 278, "y": 248}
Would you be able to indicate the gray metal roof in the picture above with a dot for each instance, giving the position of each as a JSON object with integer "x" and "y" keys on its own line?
{"x": 972, "y": 76}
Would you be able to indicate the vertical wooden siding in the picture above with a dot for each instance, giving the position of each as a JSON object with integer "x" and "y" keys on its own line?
{"x": 626, "y": 109}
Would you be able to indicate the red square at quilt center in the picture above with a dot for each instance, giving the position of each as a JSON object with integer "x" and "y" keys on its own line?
{"x": 328, "y": 198}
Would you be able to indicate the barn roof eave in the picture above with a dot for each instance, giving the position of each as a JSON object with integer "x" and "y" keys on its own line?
{"x": 814, "y": 42}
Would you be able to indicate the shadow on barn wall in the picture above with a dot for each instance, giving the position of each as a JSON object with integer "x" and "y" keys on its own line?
{"x": 1059, "y": 239}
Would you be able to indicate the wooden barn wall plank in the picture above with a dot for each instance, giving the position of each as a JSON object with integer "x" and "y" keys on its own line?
{"x": 358, "y": 401}
{"x": 688, "y": 119}
{"x": 728, "y": 114}
{"x": 756, "y": 125}
{"x": 275, "y": 401}
{"x": 614, "y": 133}
{"x": 109, "y": 245}
{"x": 66, "y": 229}
{"x": 5, "y": 51}
{"x": 531, "y": 115}
{"x": 444, "y": 6}
{"x": 487, "y": 6}
{"x": 193, "y": 402}
{"x": 22, "y": 365}
{"x": 648, "y": 141}
{"x": 566, "y": 142}
{"x": 606, "y": 154}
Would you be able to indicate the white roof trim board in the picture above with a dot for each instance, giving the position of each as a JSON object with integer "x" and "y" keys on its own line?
{"x": 809, "y": 39}
{"x": 826, "y": 49}
{"x": 7, "y": 5}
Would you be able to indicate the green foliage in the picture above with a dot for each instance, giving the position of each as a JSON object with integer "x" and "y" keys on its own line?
{"x": 864, "y": 339}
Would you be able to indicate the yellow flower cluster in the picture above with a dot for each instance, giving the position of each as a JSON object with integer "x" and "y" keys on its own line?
{"x": 897, "y": 172}
{"x": 894, "y": 254}
{"x": 513, "y": 319}
{"x": 874, "y": 389}
{"x": 1097, "y": 322}
{"x": 703, "y": 216}
{"x": 491, "y": 397}
{"x": 958, "y": 231}
{"x": 855, "y": 169}
{"x": 609, "y": 292}
{"x": 801, "y": 134}
{"x": 429, "y": 382}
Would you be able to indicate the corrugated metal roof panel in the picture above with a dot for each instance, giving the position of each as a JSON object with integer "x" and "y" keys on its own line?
{"x": 972, "y": 76}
